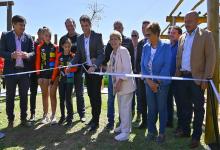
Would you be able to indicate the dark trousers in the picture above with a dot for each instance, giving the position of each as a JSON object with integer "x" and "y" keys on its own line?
{"x": 23, "y": 85}
{"x": 33, "y": 90}
{"x": 143, "y": 100}
{"x": 192, "y": 99}
{"x": 94, "y": 83}
{"x": 78, "y": 83}
{"x": 65, "y": 91}
{"x": 138, "y": 102}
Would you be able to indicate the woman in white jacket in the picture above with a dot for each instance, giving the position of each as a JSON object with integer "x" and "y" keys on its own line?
{"x": 120, "y": 62}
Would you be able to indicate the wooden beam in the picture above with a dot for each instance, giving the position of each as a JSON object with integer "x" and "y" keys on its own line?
{"x": 213, "y": 26}
{"x": 175, "y": 8}
{"x": 197, "y": 4}
{"x": 7, "y": 3}
{"x": 9, "y": 17}
{"x": 181, "y": 19}
{"x": 164, "y": 36}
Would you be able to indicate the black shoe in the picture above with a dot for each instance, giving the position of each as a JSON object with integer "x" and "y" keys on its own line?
{"x": 32, "y": 118}
{"x": 109, "y": 126}
{"x": 93, "y": 127}
{"x": 160, "y": 139}
{"x": 26, "y": 124}
{"x": 83, "y": 119}
{"x": 142, "y": 126}
{"x": 69, "y": 124}
{"x": 61, "y": 121}
{"x": 10, "y": 124}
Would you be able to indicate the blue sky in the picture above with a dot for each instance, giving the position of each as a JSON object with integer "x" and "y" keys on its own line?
{"x": 52, "y": 13}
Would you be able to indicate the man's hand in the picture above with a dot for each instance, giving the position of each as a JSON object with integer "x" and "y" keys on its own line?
{"x": 24, "y": 55}
{"x": 91, "y": 69}
{"x": 204, "y": 85}
{"x": 118, "y": 85}
{"x": 15, "y": 55}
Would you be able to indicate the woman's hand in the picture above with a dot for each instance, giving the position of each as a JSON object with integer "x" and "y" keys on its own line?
{"x": 118, "y": 85}
{"x": 152, "y": 85}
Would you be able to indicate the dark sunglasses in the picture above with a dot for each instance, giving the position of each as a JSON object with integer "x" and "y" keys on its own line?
{"x": 134, "y": 35}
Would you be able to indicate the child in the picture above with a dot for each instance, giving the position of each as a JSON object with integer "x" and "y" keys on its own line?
{"x": 45, "y": 59}
{"x": 66, "y": 82}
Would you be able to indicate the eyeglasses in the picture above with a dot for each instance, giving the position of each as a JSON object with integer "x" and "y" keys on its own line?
{"x": 134, "y": 35}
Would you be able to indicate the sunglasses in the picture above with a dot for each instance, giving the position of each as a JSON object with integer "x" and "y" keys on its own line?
{"x": 134, "y": 35}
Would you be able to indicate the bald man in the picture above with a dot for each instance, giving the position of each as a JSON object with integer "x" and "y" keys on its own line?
{"x": 195, "y": 59}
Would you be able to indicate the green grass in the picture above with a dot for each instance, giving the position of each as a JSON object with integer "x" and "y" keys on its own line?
{"x": 59, "y": 137}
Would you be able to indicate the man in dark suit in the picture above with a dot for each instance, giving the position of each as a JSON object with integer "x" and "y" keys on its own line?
{"x": 90, "y": 49}
{"x": 140, "y": 84}
{"x": 78, "y": 79}
{"x": 16, "y": 48}
{"x": 126, "y": 42}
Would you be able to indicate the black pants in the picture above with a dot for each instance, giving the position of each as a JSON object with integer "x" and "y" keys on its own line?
{"x": 33, "y": 90}
{"x": 65, "y": 91}
{"x": 23, "y": 85}
{"x": 143, "y": 100}
{"x": 192, "y": 99}
{"x": 94, "y": 83}
{"x": 78, "y": 82}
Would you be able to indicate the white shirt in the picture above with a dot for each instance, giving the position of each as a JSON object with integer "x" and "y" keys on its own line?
{"x": 187, "y": 49}
{"x": 18, "y": 41}
{"x": 86, "y": 43}
{"x": 153, "y": 51}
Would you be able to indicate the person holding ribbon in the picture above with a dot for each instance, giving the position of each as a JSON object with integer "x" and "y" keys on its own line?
{"x": 46, "y": 55}
{"x": 120, "y": 62}
{"x": 17, "y": 49}
{"x": 66, "y": 82}
{"x": 156, "y": 59}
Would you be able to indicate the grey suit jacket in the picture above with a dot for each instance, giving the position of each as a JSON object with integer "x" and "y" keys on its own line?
{"x": 8, "y": 46}
{"x": 96, "y": 49}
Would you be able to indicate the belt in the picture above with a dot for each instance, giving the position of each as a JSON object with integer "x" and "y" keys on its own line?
{"x": 186, "y": 73}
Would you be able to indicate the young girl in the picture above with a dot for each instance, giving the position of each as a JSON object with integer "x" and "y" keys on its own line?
{"x": 66, "y": 82}
{"x": 45, "y": 59}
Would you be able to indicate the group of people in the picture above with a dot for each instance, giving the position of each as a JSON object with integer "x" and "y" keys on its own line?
{"x": 189, "y": 55}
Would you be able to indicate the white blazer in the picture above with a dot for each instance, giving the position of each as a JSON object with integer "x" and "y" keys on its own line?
{"x": 123, "y": 65}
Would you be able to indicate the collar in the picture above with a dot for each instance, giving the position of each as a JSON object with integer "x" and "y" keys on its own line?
{"x": 17, "y": 37}
{"x": 193, "y": 33}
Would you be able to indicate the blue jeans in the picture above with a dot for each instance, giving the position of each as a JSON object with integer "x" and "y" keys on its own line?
{"x": 157, "y": 104}
{"x": 111, "y": 100}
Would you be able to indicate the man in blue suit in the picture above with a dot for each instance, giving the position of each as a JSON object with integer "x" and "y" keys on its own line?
{"x": 17, "y": 48}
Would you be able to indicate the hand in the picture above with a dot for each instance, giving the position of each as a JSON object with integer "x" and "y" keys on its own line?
{"x": 91, "y": 69}
{"x": 103, "y": 68}
{"x": 204, "y": 85}
{"x": 118, "y": 85}
{"x": 15, "y": 55}
{"x": 51, "y": 82}
{"x": 24, "y": 55}
{"x": 152, "y": 85}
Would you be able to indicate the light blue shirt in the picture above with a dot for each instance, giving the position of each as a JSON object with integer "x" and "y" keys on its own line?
{"x": 86, "y": 43}
{"x": 187, "y": 49}
{"x": 18, "y": 41}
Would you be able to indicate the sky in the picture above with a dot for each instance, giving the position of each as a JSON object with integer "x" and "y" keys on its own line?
{"x": 53, "y": 13}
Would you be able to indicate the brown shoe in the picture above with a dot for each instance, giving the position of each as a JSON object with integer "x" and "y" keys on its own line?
{"x": 194, "y": 144}
{"x": 181, "y": 134}
{"x": 10, "y": 124}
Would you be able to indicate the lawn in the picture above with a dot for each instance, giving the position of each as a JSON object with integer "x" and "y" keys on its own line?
{"x": 59, "y": 137}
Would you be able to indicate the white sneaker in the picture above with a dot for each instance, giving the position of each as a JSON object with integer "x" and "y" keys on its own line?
{"x": 53, "y": 120}
{"x": 122, "y": 137}
{"x": 45, "y": 120}
{"x": 117, "y": 130}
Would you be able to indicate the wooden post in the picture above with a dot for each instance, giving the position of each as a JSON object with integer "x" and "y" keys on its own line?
{"x": 213, "y": 25}
{"x": 9, "y": 17}
{"x": 55, "y": 38}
